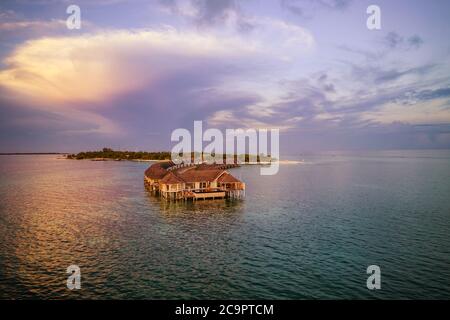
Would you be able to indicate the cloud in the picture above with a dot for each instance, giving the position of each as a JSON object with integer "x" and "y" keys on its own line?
{"x": 213, "y": 12}
{"x": 383, "y": 76}
{"x": 96, "y": 67}
{"x": 28, "y": 119}
{"x": 415, "y": 41}
{"x": 101, "y": 76}
{"x": 299, "y": 105}
{"x": 206, "y": 13}
{"x": 16, "y": 29}
{"x": 307, "y": 8}
{"x": 16, "y": 26}
{"x": 395, "y": 41}
{"x": 78, "y": 77}
{"x": 225, "y": 64}
{"x": 432, "y": 94}
{"x": 337, "y": 102}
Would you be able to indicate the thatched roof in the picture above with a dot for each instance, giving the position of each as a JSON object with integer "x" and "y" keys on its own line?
{"x": 158, "y": 170}
{"x": 227, "y": 178}
{"x": 171, "y": 178}
{"x": 199, "y": 173}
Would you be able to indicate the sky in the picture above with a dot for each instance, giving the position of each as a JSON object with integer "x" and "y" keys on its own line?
{"x": 137, "y": 70}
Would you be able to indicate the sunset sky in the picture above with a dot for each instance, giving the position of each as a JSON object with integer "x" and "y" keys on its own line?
{"x": 137, "y": 70}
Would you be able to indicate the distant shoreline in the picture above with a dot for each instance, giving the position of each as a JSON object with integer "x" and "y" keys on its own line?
{"x": 69, "y": 157}
{"x": 108, "y": 154}
{"x": 32, "y": 153}
{"x": 157, "y": 160}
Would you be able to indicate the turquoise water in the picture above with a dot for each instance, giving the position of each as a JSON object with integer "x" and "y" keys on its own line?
{"x": 308, "y": 232}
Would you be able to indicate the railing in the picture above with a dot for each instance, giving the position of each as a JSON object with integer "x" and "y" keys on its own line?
{"x": 223, "y": 166}
{"x": 207, "y": 189}
{"x": 181, "y": 165}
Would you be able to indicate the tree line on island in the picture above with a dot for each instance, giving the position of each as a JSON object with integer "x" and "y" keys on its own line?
{"x": 110, "y": 154}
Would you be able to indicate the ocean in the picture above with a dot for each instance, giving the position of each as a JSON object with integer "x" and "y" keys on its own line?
{"x": 309, "y": 232}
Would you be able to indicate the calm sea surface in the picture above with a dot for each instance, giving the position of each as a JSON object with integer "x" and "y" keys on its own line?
{"x": 308, "y": 232}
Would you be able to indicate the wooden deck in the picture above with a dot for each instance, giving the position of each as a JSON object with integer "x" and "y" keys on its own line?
{"x": 209, "y": 195}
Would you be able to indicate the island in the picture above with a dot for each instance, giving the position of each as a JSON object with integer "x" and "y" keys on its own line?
{"x": 109, "y": 154}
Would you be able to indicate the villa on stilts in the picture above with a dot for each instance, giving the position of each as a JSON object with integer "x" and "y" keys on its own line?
{"x": 193, "y": 181}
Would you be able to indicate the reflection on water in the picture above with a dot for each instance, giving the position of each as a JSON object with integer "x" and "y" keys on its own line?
{"x": 190, "y": 209}
{"x": 308, "y": 232}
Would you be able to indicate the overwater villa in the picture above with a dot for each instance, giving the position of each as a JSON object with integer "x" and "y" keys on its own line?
{"x": 193, "y": 181}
